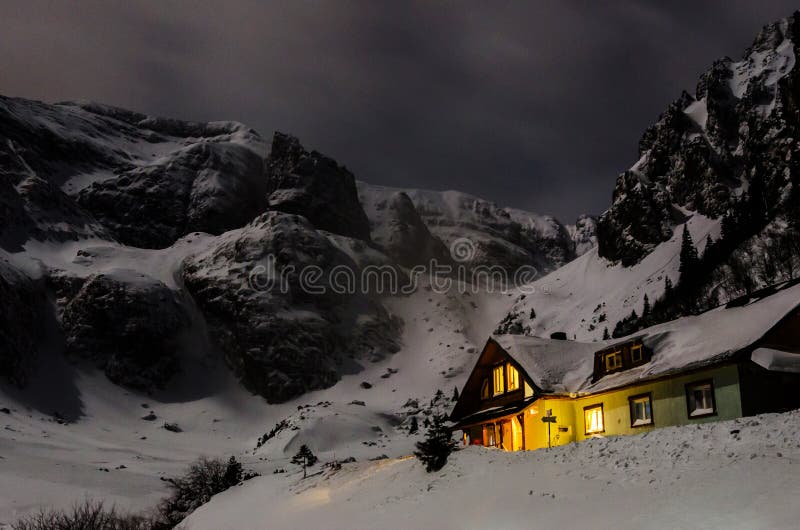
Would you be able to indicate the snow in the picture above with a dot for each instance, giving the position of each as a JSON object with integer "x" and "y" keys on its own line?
{"x": 677, "y": 477}
{"x": 777, "y": 360}
{"x": 558, "y": 366}
{"x": 591, "y": 292}
{"x": 698, "y": 112}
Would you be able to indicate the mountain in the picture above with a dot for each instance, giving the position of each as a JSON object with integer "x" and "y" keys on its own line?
{"x": 488, "y": 234}
{"x": 722, "y": 165}
{"x": 146, "y": 242}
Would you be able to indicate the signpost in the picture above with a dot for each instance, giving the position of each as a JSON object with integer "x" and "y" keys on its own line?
{"x": 548, "y": 418}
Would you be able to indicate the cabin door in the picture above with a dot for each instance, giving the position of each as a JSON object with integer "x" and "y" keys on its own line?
{"x": 507, "y": 436}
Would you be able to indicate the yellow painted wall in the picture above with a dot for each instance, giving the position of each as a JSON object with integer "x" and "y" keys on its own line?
{"x": 669, "y": 408}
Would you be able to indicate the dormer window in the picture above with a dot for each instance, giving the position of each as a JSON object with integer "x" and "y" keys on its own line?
{"x": 485, "y": 389}
{"x": 613, "y": 360}
{"x": 499, "y": 380}
{"x": 513, "y": 378}
{"x": 636, "y": 353}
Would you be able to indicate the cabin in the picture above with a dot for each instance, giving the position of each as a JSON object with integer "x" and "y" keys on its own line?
{"x": 738, "y": 360}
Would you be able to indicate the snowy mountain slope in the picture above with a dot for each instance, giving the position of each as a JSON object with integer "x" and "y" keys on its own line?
{"x": 677, "y": 477}
{"x": 734, "y": 142}
{"x": 85, "y": 170}
{"x": 506, "y": 237}
{"x": 53, "y": 462}
{"x": 591, "y": 294}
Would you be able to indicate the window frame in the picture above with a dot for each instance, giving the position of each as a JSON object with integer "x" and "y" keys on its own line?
{"x": 631, "y": 399}
{"x": 693, "y": 384}
{"x": 602, "y": 419}
{"x": 502, "y": 368}
{"x": 617, "y": 354}
{"x": 485, "y": 384}
{"x": 508, "y": 369}
{"x": 640, "y": 349}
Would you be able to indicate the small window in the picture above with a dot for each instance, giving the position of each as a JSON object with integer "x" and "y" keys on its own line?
{"x": 513, "y": 378}
{"x": 485, "y": 389}
{"x": 641, "y": 410}
{"x": 613, "y": 361}
{"x": 636, "y": 353}
{"x": 499, "y": 380}
{"x": 593, "y": 419}
{"x": 700, "y": 399}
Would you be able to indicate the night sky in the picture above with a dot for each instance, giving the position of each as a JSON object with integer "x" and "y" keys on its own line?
{"x": 535, "y": 104}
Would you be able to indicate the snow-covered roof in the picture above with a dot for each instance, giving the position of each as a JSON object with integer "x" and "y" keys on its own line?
{"x": 561, "y": 366}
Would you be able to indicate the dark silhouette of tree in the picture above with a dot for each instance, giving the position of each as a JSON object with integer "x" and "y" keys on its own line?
{"x": 689, "y": 259}
{"x": 455, "y": 394}
{"x": 305, "y": 458}
{"x": 438, "y": 443}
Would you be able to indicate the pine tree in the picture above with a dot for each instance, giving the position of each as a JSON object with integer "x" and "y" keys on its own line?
{"x": 455, "y": 393}
{"x": 414, "y": 427}
{"x": 233, "y": 472}
{"x": 305, "y": 458}
{"x": 606, "y": 336}
{"x": 646, "y": 308}
{"x": 689, "y": 260}
{"x": 438, "y": 443}
{"x": 533, "y": 314}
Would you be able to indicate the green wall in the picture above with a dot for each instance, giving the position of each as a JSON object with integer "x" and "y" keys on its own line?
{"x": 669, "y": 408}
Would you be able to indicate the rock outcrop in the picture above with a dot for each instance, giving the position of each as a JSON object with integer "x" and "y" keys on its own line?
{"x": 737, "y": 136}
{"x": 129, "y": 325}
{"x": 315, "y": 186}
{"x": 21, "y": 316}
{"x": 266, "y": 292}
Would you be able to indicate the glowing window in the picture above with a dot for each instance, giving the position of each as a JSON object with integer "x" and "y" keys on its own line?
{"x": 485, "y": 389}
{"x": 593, "y": 419}
{"x": 636, "y": 353}
{"x": 513, "y": 378}
{"x": 499, "y": 381}
{"x": 613, "y": 360}
{"x": 700, "y": 399}
{"x": 641, "y": 410}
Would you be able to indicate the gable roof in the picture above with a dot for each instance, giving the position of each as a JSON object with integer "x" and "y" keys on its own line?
{"x": 563, "y": 367}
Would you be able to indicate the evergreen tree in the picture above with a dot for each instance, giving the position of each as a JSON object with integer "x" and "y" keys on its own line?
{"x": 606, "y": 336}
{"x": 689, "y": 259}
{"x": 533, "y": 314}
{"x": 455, "y": 393}
{"x": 233, "y": 473}
{"x": 414, "y": 427}
{"x": 646, "y": 308}
{"x": 667, "y": 288}
{"x": 305, "y": 458}
{"x": 438, "y": 443}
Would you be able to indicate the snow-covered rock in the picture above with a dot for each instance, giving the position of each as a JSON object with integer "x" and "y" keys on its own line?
{"x": 283, "y": 332}
{"x": 486, "y": 233}
{"x": 21, "y": 321}
{"x": 92, "y": 171}
{"x": 398, "y": 229}
{"x": 314, "y": 186}
{"x": 128, "y": 324}
{"x": 737, "y": 134}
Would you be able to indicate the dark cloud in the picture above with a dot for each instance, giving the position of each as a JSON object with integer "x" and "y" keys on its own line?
{"x": 537, "y": 105}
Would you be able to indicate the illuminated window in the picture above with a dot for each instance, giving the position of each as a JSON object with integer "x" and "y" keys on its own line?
{"x": 513, "y": 378}
{"x": 636, "y": 353}
{"x": 641, "y": 410}
{"x": 489, "y": 435}
{"x": 499, "y": 382}
{"x": 485, "y": 389}
{"x": 700, "y": 399}
{"x": 593, "y": 419}
{"x": 613, "y": 360}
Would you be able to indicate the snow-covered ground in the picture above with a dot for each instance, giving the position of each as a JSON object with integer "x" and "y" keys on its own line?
{"x": 103, "y": 449}
{"x": 734, "y": 474}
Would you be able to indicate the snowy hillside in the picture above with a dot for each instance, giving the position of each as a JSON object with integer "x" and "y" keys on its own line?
{"x": 678, "y": 477}
{"x": 506, "y": 237}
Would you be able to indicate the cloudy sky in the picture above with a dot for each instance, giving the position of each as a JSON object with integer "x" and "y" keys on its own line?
{"x": 534, "y": 104}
